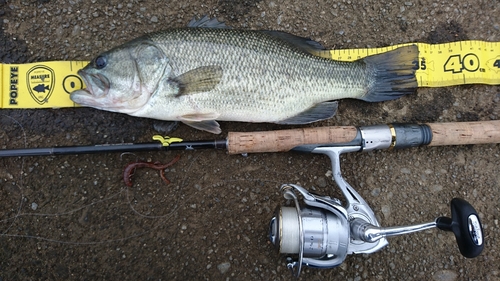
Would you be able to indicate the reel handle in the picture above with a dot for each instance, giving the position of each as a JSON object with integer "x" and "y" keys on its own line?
{"x": 466, "y": 226}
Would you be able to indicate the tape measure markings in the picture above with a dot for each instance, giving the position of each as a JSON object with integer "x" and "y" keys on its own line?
{"x": 439, "y": 65}
{"x": 462, "y": 62}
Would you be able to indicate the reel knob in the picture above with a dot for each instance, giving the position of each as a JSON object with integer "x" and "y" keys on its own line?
{"x": 466, "y": 226}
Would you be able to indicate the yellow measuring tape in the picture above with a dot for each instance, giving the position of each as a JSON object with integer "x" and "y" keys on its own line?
{"x": 48, "y": 84}
{"x": 448, "y": 64}
{"x": 39, "y": 85}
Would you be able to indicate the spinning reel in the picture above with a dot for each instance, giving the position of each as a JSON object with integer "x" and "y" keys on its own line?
{"x": 321, "y": 232}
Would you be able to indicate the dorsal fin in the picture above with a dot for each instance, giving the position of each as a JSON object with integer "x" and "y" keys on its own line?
{"x": 305, "y": 44}
{"x": 207, "y": 22}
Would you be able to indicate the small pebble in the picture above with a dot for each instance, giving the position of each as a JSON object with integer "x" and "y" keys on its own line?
{"x": 321, "y": 182}
{"x": 445, "y": 275}
{"x": 436, "y": 188}
{"x": 224, "y": 267}
{"x": 386, "y": 210}
{"x": 405, "y": 171}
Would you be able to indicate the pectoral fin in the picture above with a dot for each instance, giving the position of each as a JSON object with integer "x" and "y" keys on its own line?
{"x": 318, "y": 112}
{"x": 201, "y": 79}
{"x": 204, "y": 122}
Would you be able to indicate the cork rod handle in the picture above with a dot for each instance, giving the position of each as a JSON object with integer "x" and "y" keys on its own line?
{"x": 454, "y": 133}
{"x": 462, "y": 133}
{"x": 284, "y": 140}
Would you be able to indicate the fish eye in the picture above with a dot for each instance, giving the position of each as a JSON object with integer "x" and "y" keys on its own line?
{"x": 100, "y": 62}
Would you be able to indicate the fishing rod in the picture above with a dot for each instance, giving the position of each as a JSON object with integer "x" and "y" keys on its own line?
{"x": 320, "y": 231}
{"x": 366, "y": 138}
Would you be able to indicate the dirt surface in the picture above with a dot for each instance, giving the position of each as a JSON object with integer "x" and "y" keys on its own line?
{"x": 72, "y": 217}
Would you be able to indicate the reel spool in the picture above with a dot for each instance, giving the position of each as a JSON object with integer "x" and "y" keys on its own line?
{"x": 314, "y": 233}
{"x": 321, "y": 232}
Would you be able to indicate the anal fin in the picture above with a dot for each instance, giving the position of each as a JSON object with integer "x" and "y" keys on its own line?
{"x": 210, "y": 126}
{"x": 318, "y": 112}
{"x": 202, "y": 121}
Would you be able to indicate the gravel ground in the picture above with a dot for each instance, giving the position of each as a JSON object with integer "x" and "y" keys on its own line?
{"x": 72, "y": 218}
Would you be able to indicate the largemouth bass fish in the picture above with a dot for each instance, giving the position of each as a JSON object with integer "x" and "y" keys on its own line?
{"x": 198, "y": 75}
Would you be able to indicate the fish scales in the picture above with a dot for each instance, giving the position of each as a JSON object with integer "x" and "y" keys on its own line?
{"x": 261, "y": 73}
{"x": 200, "y": 75}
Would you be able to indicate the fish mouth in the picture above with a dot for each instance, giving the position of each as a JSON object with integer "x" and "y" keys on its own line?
{"x": 97, "y": 85}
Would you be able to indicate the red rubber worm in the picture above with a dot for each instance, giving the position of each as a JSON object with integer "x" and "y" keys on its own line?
{"x": 130, "y": 168}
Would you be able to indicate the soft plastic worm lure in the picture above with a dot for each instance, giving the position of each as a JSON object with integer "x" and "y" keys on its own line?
{"x": 130, "y": 168}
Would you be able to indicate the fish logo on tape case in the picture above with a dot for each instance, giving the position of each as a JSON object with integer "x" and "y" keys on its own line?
{"x": 40, "y": 82}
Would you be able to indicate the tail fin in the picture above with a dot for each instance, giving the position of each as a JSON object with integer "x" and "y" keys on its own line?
{"x": 392, "y": 74}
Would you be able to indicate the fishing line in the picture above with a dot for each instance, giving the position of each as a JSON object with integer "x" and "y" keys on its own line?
{"x": 70, "y": 212}
{"x": 158, "y": 220}
{"x": 108, "y": 241}
{"x": 20, "y": 185}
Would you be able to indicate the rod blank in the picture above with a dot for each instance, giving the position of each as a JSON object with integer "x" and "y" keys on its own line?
{"x": 106, "y": 148}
